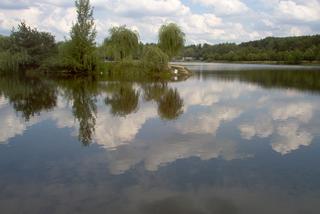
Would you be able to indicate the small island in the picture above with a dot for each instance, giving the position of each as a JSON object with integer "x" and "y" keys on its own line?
{"x": 121, "y": 54}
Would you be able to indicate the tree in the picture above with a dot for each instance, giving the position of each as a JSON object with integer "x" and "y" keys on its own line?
{"x": 80, "y": 52}
{"x": 122, "y": 43}
{"x": 4, "y": 43}
{"x": 31, "y": 45}
{"x": 154, "y": 59}
{"x": 171, "y": 39}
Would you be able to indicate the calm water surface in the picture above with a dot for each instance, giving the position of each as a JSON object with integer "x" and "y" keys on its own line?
{"x": 241, "y": 140}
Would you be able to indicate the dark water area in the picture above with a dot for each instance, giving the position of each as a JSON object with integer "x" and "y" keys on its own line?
{"x": 224, "y": 141}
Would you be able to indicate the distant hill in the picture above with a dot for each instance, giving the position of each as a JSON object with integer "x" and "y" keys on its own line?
{"x": 287, "y": 49}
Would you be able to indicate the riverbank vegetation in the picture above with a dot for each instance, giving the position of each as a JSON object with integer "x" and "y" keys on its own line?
{"x": 290, "y": 50}
{"x": 123, "y": 54}
{"x": 28, "y": 48}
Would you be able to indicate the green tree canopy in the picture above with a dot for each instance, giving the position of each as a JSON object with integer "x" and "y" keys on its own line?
{"x": 25, "y": 47}
{"x": 286, "y": 49}
{"x": 122, "y": 43}
{"x": 4, "y": 43}
{"x": 34, "y": 45}
{"x": 171, "y": 39}
{"x": 155, "y": 59}
{"x": 79, "y": 52}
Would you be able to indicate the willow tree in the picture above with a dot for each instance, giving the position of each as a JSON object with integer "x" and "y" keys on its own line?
{"x": 155, "y": 59}
{"x": 80, "y": 50}
{"x": 123, "y": 42}
{"x": 171, "y": 39}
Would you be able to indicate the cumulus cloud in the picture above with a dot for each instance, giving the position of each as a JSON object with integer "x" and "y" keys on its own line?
{"x": 147, "y": 7}
{"x": 208, "y": 21}
{"x": 303, "y": 11}
{"x": 207, "y": 122}
{"x": 12, "y": 124}
{"x": 225, "y": 7}
{"x": 291, "y": 138}
{"x": 159, "y": 153}
{"x": 262, "y": 128}
{"x": 301, "y": 111}
{"x": 112, "y": 132}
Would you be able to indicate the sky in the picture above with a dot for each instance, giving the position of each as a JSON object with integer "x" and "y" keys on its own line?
{"x": 203, "y": 21}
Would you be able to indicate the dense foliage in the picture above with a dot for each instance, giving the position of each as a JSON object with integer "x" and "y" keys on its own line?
{"x": 25, "y": 47}
{"x": 154, "y": 59}
{"x": 171, "y": 39}
{"x": 288, "y": 49}
{"x": 122, "y": 43}
{"x": 79, "y": 53}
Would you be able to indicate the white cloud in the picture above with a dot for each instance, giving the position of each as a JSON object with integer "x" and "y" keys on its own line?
{"x": 304, "y": 11}
{"x": 301, "y": 111}
{"x": 262, "y": 128}
{"x": 291, "y": 138}
{"x": 12, "y": 124}
{"x": 163, "y": 151}
{"x": 147, "y": 7}
{"x": 112, "y": 132}
{"x": 225, "y": 7}
{"x": 219, "y": 21}
{"x": 207, "y": 122}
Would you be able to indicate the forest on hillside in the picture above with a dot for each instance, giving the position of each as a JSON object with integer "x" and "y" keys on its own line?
{"x": 291, "y": 50}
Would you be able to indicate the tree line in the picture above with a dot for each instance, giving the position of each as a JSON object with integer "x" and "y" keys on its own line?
{"x": 291, "y": 50}
{"x": 27, "y": 47}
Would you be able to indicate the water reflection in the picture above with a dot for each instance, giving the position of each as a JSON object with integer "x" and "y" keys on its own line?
{"x": 82, "y": 93}
{"x": 33, "y": 95}
{"x": 124, "y": 99}
{"x": 28, "y": 95}
{"x": 298, "y": 79}
{"x": 211, "y": 144}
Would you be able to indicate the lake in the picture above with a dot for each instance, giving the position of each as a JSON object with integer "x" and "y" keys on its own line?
{"x": 233, "y": 138}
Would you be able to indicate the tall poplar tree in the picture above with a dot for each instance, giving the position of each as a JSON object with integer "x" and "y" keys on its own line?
{"x": 81, "y": 48}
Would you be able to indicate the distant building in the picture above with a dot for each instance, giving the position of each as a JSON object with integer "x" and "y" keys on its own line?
{"x": 187, "y": 59}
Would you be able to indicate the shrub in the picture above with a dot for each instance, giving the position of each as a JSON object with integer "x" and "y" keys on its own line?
{"x": 155, "y": 59}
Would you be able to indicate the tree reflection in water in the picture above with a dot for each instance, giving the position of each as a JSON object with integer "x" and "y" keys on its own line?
{"x": 170, "y": 104}
{"x": 28, "y": 95}
{"x": 124, "y": 99}
{"x": 31, "y": 96}
{"x": 83, "y": 92}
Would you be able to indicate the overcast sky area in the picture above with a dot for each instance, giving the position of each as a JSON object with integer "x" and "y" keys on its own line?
{"x": 210, "y": 21}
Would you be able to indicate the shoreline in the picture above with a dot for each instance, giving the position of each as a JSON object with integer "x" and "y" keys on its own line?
{"x": 304, "y": 63}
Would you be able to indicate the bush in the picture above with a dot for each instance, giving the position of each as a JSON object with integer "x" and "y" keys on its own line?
{"x": 10, "y": 62}
{"x": 155, "y": 59}
{"x": 31, "y": 45}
